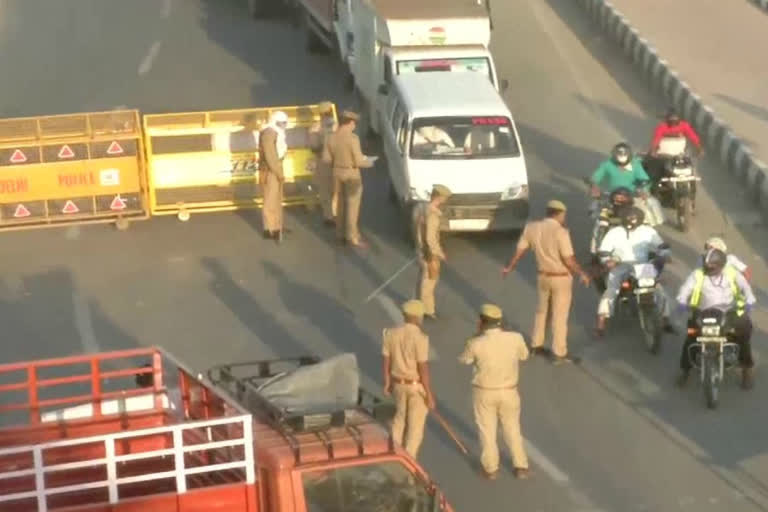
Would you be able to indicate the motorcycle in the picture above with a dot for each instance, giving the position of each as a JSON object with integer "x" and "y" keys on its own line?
{"x": 675, "y": 186}
{"x": 713, "y": 353}
{"x": 637, "y": 298}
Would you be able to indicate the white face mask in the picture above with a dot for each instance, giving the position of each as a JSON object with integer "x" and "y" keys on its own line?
{"x": 623, "y": 160}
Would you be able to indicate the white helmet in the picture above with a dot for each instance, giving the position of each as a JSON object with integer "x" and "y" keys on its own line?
{"x": 278, "y": 117}
{"x": 715, "y": 242}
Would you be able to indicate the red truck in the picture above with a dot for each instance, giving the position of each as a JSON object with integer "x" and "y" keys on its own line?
{"x": 138, "y": 431}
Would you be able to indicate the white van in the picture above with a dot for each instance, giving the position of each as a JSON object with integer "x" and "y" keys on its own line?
{"x": 454, "y": 129}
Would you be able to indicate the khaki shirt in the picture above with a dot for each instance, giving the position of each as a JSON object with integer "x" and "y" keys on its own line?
{"x": 405, "y": 345}
{"x": 428, "y": 232}
{"x": 551, "y": 243}
{"x": 342, "y": 151}
{"x": 269, "y": 161}
{"x": 495, "y": 355}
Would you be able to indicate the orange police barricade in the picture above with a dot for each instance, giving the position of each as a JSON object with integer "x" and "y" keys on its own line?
{"x": 208, "y": 161}
{"x": 72, "y": 169}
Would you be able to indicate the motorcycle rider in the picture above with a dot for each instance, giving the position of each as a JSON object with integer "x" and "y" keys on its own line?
{"x": 671, "y": 126}
{"x": 718, "y": 243}
{"x": 623, "y": 246}
{"x": 624, "y": 170}
{"x": 620, "y": 199}
{"x": 717, "y": 285}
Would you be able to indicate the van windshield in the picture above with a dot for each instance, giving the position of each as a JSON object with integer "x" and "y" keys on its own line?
{"x": 464, "y": 64}
{"x": 476, "y": 137}
{"x": 380, "y": 486}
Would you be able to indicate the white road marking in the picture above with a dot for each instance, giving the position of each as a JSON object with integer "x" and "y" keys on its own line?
{"x": 644, "y": 385}
{"x": 146, "y": 63}
{"x": 545, "y": 463}
{"x": 392, "y": 278}
{"x": 84, "y": 324}
{"x": 167, "y": 5}
{"x": 394, "y": 313}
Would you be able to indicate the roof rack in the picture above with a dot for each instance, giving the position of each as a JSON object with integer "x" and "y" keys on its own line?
{"x": 245, "y": 389}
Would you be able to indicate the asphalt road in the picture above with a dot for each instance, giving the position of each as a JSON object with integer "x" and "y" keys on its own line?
{"x": 611, "y": 434}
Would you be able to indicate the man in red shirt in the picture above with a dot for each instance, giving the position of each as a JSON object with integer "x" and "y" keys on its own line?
{"x": 673, "y": 126}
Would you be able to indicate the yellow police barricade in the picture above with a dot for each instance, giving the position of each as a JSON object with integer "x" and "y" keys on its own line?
{"x": 208, "y": 161}
{"x": 73, "y": 169}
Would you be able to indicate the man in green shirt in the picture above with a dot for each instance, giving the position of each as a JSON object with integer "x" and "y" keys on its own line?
{"x": 624, "y": 170}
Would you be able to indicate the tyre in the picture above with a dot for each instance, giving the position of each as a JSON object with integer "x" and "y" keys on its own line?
{"x": 711, "y": 382}
{"x": 683, "y": 214}
{"x": 652, "y": 329}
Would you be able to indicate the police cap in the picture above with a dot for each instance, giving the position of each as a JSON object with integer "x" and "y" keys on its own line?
{"x": 349, "y": 115}
{"x": 326, "y": 107}
{"x": 441, "y": 190}
{"x": 554, "y": 204}
{"x": 414, "y": 308}
{"x": 491, "y": 311}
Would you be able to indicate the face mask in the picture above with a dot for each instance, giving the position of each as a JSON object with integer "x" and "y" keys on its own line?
{"x": 623, "y": 160}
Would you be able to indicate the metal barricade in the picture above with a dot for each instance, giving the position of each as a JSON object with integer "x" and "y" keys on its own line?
{"x": 72, "y": 169}
{"x": 208, "y": 161}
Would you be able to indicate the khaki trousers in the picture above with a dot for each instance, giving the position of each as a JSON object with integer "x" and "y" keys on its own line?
{"x": 427, "y": 287}
{"x": 350, "y": 189}
{"x": 325, "y": 189}
{"x": 410, "y": 416}
{"x": 272, "y": 210}
{"x": 492, "y": 405}
{"x": 554, "y": 296}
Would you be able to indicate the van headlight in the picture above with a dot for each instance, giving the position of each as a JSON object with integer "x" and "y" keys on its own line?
{"x": 515, "y": 192}
{"x": 415, "y": 195}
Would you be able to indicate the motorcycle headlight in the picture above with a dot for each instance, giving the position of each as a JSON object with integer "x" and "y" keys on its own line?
{"x": 646, "y": 282}
{"x": 415, "y": 195}
{"x": 682, "y": 171}
{"x": 710, "y": 330}
{"x": 515, "y": 192}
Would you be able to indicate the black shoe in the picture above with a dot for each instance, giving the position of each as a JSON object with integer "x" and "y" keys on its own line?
{"x": 278, "y": 236}
{"x": 330, "y": 223}
{"x": 668, "y": 327}
{"x": 539, "y": 351}
{"x": 431, "y": 318}
{"x": 558, "y": 360}
{"x": 267, "y": 234}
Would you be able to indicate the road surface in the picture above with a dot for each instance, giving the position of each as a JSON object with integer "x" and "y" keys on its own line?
{"x": 609, "y": 435}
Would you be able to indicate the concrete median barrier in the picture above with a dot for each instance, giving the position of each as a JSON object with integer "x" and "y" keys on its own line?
{"x": 763, "y": 4}
{"x": 718, "y": 137}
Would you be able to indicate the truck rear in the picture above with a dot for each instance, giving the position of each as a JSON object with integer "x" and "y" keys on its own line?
{"x": 137, "y": 430}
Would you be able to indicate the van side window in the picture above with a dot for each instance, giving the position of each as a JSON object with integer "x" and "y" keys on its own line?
{"x": 396, "y": 115}
{"x": 387, "y": 70}
{"x": 402, "y": 136}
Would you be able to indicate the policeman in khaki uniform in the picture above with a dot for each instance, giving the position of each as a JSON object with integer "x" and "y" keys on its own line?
{"x": 342, "y": 151}
{"x": 551, "y": 243}
{"x": 427, "y": 231}
{"x": 406, "y": 377}
{"x": 272, "y": 150}
{"x": 323, "y": 174}
{"x": 495, "y": 355}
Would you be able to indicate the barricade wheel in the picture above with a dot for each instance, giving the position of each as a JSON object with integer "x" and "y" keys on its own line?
{"x": 122, "y": 224}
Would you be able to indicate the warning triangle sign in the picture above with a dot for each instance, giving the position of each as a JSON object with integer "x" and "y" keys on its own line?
{"x": 18, "y": 157}
{"x": 21, "y": 211}
{"x": 117, "y": 203}
{"x": 70, "y": 207}
{"x": 115, "y": 148}
{"x": 66, "y": 152}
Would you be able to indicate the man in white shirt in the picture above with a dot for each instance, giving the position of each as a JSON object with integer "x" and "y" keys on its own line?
{"x": 714, "y": 242}
{"x": 622, "y": 247}
{"x": 432, "y": 135}
{"x": 717, "y": 285}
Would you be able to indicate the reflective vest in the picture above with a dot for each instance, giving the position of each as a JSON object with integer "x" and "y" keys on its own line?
{"x": 730, "y": 274}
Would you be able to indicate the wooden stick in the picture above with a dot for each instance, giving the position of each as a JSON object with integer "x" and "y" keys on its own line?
{"x": 449, "y": 430}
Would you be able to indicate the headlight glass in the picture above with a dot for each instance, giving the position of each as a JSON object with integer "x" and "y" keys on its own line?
{"x": 515, "y": 192}
{"x": 646, "y": 282}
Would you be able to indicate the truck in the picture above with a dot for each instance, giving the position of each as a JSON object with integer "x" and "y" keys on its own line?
{"x": 379, "y": 39}
{"x": 138, "y": 430}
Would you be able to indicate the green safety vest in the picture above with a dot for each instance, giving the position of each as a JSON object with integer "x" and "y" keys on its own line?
{"x": 730, "y": 273}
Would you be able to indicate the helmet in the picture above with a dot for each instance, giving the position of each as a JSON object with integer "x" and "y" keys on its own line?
{"x": 620, "y": 196}
{"x": 672, "y": 117}
{"x": 621, "y": 153}
{"x": 715, "y": 242}
{"x": 632, "y": 217}
{"x": 714, "y": 261}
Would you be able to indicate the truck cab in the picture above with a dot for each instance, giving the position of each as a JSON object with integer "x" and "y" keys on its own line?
{"x": 193, "y": 443}
{"x": 454, "y": 129}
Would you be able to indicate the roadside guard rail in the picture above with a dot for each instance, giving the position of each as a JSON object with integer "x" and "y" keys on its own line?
{"x": 120, "y": 166}
{"x": 208, "y": 161}
{"x": 72, "y": 169}
{"x": 193, "y": 448}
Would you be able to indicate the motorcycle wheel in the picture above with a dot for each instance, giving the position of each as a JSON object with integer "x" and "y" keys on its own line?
{"x": 683, "y": 214}
{"x": 711, "y": 382}
{"x": 652, "y": 329}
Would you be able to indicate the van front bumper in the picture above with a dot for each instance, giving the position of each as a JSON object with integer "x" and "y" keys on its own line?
{"x": 484, "y": 212}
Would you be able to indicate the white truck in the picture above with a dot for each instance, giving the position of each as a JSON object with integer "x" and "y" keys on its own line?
{"x": 380, "y": 39}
